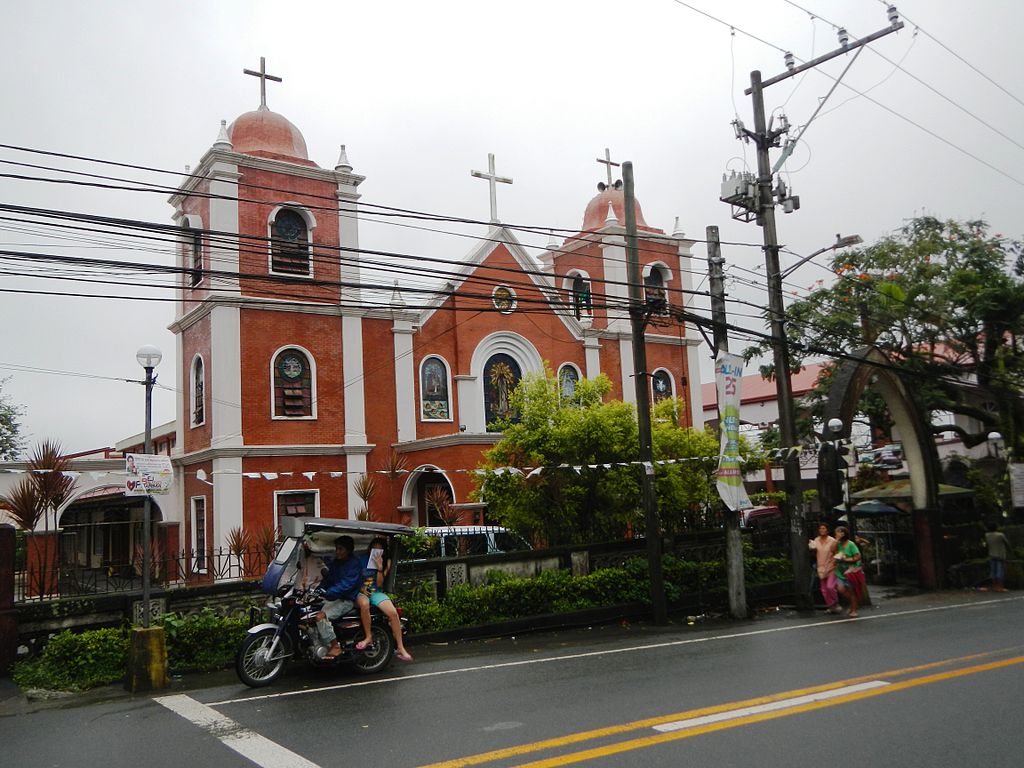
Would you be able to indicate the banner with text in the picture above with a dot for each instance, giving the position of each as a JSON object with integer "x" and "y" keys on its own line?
{"x": 728, "y": 371}
{"x": 147, "y": 474}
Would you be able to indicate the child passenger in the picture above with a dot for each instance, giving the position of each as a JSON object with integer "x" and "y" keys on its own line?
{"x": 375, "y": 571}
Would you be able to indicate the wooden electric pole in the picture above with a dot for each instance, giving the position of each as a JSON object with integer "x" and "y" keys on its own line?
{"x": 733, "y": 539}
{"x": 638, "y": 315}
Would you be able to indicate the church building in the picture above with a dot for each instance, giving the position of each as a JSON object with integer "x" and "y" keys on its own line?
{"x": 297, "y": 381}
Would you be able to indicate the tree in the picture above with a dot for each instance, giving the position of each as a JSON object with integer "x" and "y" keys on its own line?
{"x": 588, "y": 487}
{"x": 11, "y": 441}
{"x": 944, "y": 302}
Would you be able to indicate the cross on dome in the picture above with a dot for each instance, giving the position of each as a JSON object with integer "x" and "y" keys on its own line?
{"x": 263, "y": 76}
{"x": 493, "y": 180}
{"x": 608, "y": 163}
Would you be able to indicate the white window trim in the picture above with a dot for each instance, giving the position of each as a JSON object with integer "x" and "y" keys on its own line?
{"x": 192, "y": 393}
{"x": 567, "y": 282}
{"x": 671, "y": 382}
{"x": 419, "y": 387}
{"x": 195, "y": 547}
{"x": 193, "y": 222}
{"x": 558, "y": 374}
{"x": 312, "y": 384}
{"x": 515, "y": 298}
{"x": 316, "y": 502}
{"x": 665, "y": 271}
{"x": 310, "y": 227}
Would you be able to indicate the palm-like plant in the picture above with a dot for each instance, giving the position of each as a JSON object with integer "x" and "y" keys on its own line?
{"x": 438, "y": 499}
{"x": 365, "y": 487}
{"x": 394, "y": 466}
{"x": 22, "y": 505}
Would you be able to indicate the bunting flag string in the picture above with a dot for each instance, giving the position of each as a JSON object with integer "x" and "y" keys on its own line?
{"x": 779, "y": 454}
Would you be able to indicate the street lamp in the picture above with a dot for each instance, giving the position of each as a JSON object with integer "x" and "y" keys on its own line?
{"x": 784, "y": 390}
{"x": 148, "y": 357}
{"x": 841, "y": 242}
{"x": 993, "y": 441}
{"x": 835, "y": 426}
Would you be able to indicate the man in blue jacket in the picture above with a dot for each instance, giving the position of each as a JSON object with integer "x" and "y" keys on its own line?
{"x": 340, "y": 587}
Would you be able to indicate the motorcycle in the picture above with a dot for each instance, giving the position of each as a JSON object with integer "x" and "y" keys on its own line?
{"x": 290, "y": 631}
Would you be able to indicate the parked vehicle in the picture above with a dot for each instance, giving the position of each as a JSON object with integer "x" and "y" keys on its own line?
{"x": 758, "y": 517}
{"x": 290, "y": 631}
{"x": 466, "y": 540}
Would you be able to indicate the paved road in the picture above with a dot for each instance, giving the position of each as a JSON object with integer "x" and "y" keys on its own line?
{"x": 932, "y": 680}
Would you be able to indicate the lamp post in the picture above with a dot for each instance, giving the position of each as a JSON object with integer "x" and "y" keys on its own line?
{"x": 835, "y": 426}
{"x": 148, "y": 357}
{"x": 841, "y": 242}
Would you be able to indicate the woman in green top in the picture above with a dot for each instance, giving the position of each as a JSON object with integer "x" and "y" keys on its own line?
{"x": 849, "y": 573}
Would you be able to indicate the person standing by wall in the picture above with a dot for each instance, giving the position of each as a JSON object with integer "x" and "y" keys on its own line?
{"x": 850, "y": 578}
{"x": 999, "y": 551}
{"x": 824, "y": 547}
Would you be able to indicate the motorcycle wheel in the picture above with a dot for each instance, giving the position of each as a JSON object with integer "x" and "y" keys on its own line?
{"x": 253, "y": 663}
{"x": 378, "y": 654}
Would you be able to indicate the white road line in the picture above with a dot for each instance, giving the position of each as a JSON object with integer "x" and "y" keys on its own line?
{"x": 252, "y": 746}
{"x": 824, "y": 623}
{"x": 771, "y": 706}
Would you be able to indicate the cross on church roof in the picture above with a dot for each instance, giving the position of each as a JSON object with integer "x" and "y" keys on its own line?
{"x": 493, "y": 180}
{"x": 608, "y": 163}
{"x": 263, "y": 76}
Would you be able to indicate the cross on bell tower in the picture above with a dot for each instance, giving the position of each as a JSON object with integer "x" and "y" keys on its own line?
{"x": 263, "y": 76}
{"x": 608, "y": 163}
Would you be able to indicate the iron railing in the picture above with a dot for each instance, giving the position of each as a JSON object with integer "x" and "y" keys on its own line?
{"x": 188, "y": 568}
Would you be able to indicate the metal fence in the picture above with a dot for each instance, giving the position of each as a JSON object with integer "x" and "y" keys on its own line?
{"x": 49, "y": 581}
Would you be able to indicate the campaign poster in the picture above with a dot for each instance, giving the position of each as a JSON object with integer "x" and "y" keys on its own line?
{"x": 147, "y": 474}
{"x": 728, "y": 372}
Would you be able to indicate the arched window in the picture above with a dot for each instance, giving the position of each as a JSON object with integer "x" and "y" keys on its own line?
{"x": 582, "y": 303}
{"x": 661, "y": 385}
{"x": 293, "y": 385}
{"x": 198, "y": 392}
{"x": 289, "y": 243}
{"x": 435, "y": 402}
{"x": 568, "y": 378}
{"x": 654, "y": 291}
{"x": 501, "y": 375}
{"x": 193, "y": 250}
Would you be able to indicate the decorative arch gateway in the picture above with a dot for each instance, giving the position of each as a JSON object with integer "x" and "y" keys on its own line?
{"x": 868, "y": 367}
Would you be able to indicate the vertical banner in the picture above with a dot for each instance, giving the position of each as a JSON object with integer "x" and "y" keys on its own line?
{"x": 728, "y": 371}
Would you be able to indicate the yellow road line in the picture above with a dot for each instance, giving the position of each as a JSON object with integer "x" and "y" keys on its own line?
{"x": 575, "y": 738}
{"x": 650, "y": 741}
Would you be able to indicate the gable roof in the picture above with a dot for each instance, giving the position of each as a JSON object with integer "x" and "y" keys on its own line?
{"x": 754, "y": 389}
{"x": 498, "y": 235}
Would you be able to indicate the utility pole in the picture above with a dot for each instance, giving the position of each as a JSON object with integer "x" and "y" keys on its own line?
{"x": 780, "y": 351}
{"x": 755, "y": 200}
{"x": 733, "y": 539}
{"x": 638, "y": 316}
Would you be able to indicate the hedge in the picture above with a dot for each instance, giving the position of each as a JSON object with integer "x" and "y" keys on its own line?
{"x": 77, "y": 661}
{"x": 506, "y": 597}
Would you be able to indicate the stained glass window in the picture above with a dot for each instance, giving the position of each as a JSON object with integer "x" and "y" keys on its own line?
{"x": 293, "y": 384}
{"x": 661, "y": 385}
{"x": 568, "y": 378}
{"x": 289, "y": 245}
{"x": 435, "y": 402}
{"x": 501, "y": 375}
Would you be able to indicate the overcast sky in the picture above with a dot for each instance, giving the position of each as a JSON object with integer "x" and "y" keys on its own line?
{"x": 421, "y": 92}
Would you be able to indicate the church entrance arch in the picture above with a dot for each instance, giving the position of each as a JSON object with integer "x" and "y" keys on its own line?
{"x": 869, "y": 368}
{"x": 102, "y": 528}
{"x": 428, "y": 494}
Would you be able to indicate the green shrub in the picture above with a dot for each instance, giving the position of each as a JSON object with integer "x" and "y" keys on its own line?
{"x": 505, "y": 597}
{"x": 202, "y": 642}
{"x": 77, "y": 661}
